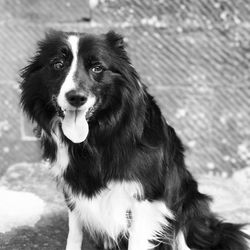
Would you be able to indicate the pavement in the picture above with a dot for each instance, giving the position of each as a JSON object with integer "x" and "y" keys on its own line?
{"x": 33, "y": 214}
{"x": 32, "y": 211}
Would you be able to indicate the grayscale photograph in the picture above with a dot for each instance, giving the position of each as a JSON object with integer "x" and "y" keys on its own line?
{"x": 125, "y": 125}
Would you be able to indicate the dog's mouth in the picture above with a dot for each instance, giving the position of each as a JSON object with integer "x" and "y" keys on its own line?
{"x": 74, "y": 121}
{"x": 75, "y": 126}
{"x": 61, "y": 113}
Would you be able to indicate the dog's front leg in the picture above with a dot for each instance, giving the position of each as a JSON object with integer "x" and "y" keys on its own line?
{"x": 74, "y": 241}
{"x": 149, "y": 224}
{"x": 180, "y": 242}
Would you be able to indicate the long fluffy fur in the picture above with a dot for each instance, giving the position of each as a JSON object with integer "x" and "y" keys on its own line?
{"x": 128, "y": 140}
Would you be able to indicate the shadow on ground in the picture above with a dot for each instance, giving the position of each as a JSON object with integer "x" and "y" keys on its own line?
{"x": 49, "y": 233}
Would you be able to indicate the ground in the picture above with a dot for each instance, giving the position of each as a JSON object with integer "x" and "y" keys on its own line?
{"x": 33, "y": 214}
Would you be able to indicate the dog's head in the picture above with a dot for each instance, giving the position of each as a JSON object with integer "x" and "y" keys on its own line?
{"x": 78, "y": 78}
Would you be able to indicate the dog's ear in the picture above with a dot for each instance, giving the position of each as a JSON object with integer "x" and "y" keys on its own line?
{"x": 115, "y": 40}
{"x": 34, "y": 65}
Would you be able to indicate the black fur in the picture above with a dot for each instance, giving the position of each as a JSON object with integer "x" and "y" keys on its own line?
{"x": 128, "y": 139}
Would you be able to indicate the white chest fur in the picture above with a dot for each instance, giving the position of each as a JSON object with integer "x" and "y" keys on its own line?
{"x": 62, "y": 160}
{"x": 62, "y": 156}
{"x": 106, "y": 213}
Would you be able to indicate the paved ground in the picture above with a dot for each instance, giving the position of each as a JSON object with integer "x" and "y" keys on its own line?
{"x": 33, "y": 215}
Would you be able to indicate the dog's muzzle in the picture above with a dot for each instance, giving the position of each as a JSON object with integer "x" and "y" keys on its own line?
{"x": 74, "y": 114}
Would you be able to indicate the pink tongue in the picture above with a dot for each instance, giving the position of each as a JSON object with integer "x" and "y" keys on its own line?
{"x": 74, "y": 126}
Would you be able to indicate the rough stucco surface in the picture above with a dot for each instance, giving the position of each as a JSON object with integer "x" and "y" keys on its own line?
{"x": 193, "y": 56}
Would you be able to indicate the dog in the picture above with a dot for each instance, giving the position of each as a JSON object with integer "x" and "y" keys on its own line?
{"x": 119, "y": 164}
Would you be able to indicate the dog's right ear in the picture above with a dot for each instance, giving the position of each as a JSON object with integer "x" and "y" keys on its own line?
{"x": 35, "y": 64}
{"x": 115, "y": 40}
{"x": 29, "y": 86}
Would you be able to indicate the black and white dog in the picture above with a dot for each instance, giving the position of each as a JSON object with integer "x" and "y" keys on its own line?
{"x": 119, "y": 164}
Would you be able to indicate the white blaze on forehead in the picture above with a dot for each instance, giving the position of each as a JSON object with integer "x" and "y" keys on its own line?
{"x": 69, "y": 83}
{"x": 74, "y": 124}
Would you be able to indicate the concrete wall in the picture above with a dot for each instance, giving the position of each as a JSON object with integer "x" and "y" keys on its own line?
{"x": 193, "y": 55}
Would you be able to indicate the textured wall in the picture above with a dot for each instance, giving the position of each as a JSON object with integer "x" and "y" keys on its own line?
{"x": 193, "y": 55}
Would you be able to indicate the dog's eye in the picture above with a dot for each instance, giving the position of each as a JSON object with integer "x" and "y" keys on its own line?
{"x": 97, "y": 69}
{"x": 58, "y": 65}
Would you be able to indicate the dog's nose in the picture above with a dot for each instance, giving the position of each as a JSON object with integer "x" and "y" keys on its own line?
{"x": 76, "y": 98}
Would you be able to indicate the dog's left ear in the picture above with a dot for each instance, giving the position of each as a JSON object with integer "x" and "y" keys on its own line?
{"x": 115, "y": 40}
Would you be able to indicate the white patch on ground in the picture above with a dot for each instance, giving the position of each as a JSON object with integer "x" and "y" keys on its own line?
{"x": 244, "y": 152}
{"x": 19, "y": 209}
{"x": 242, "y": 177}
{"x": 229, "y": 193}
